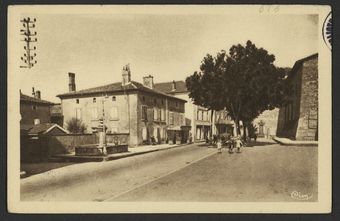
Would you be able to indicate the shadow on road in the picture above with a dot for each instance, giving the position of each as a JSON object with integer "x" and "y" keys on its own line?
{"x": 36, "y": 168}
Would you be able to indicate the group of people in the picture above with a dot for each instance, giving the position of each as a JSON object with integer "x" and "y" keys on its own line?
{"x": 230, "y": 142}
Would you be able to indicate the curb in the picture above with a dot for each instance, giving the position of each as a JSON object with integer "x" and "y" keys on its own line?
{"x": 296, "y": 143}
{"x": 109, "y": 158}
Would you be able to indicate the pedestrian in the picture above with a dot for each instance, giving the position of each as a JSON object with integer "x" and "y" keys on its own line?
{"x": 238, "y": 144}
{"x": 219, "y": 145}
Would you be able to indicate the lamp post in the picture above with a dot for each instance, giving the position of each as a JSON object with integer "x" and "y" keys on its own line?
{"x": 102, "y": 131}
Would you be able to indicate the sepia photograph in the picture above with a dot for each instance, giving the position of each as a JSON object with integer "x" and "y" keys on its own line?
{"x": 169, "y": 108}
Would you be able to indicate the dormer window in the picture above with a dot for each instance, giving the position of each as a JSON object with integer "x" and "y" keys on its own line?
{"x": 77, "y": 101}
{"x": 94, "y": 100}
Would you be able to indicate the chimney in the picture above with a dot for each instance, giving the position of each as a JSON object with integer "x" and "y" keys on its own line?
{"x": 36, "y": 121}
{"x": 33, "y": 93}
{"x": 71, "y": 83}
{"x": 148, "y": 81}
{"x": 173, "y": 88}
{"x": 37, "y": 95}
{"x": 126, "y": 74}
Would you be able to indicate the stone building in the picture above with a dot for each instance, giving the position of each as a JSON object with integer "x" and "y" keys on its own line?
{"x": 33, "y": 109}
{"x": 299, "y": 118}
{"x": 197, "y": 117}
{"x": 127, "y": 107}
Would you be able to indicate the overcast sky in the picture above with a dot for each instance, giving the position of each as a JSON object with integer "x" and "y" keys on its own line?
{"x": 169, "y": 47}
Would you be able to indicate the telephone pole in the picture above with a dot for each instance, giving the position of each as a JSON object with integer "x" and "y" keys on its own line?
{"x": 28, "y": 58}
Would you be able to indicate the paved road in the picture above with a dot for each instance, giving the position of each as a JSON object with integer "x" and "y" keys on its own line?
{"x": 261, "y": 173}
{"x": 105, "y": 180}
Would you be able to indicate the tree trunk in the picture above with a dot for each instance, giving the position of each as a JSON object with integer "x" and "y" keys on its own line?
{"x": 245, "y": 130}
{"x": 238, "y": 130}
{"x": 212, "y": 124}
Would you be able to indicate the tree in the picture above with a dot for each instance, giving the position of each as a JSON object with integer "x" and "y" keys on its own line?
{"x": 76, "y": 126}
{"x": 204, "y": 86}
{"x": 245, "y": 82}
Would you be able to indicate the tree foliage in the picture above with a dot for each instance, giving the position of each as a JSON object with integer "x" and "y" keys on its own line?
{"x": 245, "y": 82}
{"x": 76, "y": 126}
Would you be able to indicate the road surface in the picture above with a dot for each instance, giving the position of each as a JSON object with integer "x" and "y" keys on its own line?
{"x": 265, "y": 172}
{"x": 98, "y": 181}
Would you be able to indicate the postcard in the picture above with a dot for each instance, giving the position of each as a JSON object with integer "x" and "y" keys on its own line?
{"x": 169, "y": 108}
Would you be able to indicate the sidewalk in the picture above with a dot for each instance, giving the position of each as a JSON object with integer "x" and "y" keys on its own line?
{"x": 289, "y": 142}
{"x": 132, "y": 151}
{"x": 63, "y": 160}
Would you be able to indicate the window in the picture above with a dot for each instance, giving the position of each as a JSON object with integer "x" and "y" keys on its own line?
{"x": 114, "y": 113}
{"x": 77, "y": 101}
{"x": 155, "y": 114}
{"x": 162, "y": 115}
{"x": 94, "y": 113}
{"x": 144, "y": 112}
{"x": 34, "y": 107}
{"x": 171, "y": 118}
{"x": 198, "y": 115}
{"x": 155, "y": 101}
{"x": 143, "y": 98}
{"x": 181, "y": 122}
{"x": 113, "y": 98}
{"x": 94, "y": 100}
{"x": 159, "y": 115}
{"x": 162, "y": 102}
{"x": 78, "y": 113}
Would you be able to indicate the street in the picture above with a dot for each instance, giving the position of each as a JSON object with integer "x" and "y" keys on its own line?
{"x": 264, "y": 172}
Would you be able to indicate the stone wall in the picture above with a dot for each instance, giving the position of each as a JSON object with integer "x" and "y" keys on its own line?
{"x": 308, "y": 120}
{"x": 40, "y": 148}
{"x": 299, "y": 118}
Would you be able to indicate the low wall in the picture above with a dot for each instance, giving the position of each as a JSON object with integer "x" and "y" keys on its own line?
{"x": 45, "y": 146}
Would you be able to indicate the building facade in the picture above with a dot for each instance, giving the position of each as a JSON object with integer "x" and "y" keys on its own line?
{"x": 33, "y": 109}
{"x": 267, "y": 123}
{"x": 299, "y": 118}
{"x": 198, "y": 118}
{"x": 146, "y": 114}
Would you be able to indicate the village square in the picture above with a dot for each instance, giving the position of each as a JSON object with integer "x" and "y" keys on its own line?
{"x": 238, "y": 127}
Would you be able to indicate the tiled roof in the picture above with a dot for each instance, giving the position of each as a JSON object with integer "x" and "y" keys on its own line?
{"x": 38, "y": 128}
{"x": 166, "y": 87}
{"x": 116, "y": 87}
{"x": 26, "y": 98}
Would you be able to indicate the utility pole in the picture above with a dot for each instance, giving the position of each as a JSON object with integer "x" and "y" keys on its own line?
{"x": 28, "y": 58}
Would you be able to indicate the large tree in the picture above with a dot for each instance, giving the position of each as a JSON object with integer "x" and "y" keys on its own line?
{"x": 245, "y": 82}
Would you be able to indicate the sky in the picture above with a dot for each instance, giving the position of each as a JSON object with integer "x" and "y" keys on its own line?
{"x": 168, "y": 46}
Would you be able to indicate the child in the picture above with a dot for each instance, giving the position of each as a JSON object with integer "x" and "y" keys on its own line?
{"x": 238, "y": 144}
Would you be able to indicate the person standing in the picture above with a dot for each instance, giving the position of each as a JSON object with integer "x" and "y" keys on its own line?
{"x": 238, "y": 144}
